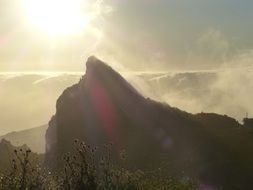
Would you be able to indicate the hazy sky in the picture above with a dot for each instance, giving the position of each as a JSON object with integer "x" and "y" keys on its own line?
{"x": 132, "y": 34}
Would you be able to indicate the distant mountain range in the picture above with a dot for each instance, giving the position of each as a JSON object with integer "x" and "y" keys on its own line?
{"x": 34, "y": 138}
{"x": 103, "y": 107}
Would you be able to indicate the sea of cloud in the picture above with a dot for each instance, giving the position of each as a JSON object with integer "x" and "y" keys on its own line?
{"x": 28, "y": 99}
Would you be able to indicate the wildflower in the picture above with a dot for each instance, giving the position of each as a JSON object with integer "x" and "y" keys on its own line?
{"x": 28, "y": 151}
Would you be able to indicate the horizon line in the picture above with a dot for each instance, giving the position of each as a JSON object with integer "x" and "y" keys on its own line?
{"x": 83, "y": 72}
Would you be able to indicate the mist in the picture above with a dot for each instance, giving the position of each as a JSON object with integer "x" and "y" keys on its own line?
{"x": 29, "y": 98}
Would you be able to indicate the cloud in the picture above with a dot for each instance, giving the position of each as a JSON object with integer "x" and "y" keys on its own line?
{"x": 213, "y": 44}
{"x": 211, "y": 49}
{"x": 28, "y": 99}
{"x": 225, "y": 90}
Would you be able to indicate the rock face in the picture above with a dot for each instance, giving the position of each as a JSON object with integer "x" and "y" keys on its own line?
{"x": 104, "y": 107}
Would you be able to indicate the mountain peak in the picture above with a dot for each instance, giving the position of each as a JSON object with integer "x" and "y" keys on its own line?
{"x": 92, "y": 60}
{"x": 104, "y": 107}
{"x": 93, "y": 63}
{"x": 95, "y": 68}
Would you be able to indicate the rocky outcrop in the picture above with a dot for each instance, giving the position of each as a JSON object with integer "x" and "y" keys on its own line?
{"x": 103, "y": 107}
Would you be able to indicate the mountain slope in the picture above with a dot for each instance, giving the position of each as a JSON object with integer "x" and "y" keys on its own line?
{"x": 7, "y": 155}
{"x": 104, "y": 107}
{"x": 34, "y": 138}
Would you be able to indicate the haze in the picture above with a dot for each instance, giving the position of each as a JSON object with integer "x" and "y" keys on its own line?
{"x": 133, "y": 36}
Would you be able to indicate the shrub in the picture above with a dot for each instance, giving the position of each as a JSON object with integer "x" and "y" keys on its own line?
{"x": 84, "y": 170}
{"x": 24, "y": 174}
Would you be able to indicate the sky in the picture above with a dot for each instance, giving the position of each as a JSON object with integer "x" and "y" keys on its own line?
{"x": 40, "y": 38}
{"x": 130, "y": 34}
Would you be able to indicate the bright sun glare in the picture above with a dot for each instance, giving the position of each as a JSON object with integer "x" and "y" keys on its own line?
{"x": 57, "y": 17}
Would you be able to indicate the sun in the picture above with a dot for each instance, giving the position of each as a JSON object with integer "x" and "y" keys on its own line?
{"x": 57, "y": 17}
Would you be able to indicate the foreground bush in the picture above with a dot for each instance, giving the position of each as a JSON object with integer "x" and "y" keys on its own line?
{"x": 24, "y": 174}
{"x": 83, "y": 170}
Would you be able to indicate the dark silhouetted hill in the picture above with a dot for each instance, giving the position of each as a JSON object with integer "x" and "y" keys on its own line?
{"x": 104, "y": 107}
{"x": 7, "y": 154}
{"x": 34, "y": 138}
{"x": 248, "y": 122}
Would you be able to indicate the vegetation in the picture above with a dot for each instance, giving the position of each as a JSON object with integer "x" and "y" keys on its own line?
{"x": 84, "y": 170}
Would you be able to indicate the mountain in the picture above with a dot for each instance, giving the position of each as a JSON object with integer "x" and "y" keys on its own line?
{"x": 103, "y": 107}
{"x": 34, "y": 138}
{"x": 187, "y": 90}
{"x": 7, "y": 155}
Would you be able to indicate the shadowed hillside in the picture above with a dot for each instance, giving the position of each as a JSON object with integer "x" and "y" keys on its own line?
{"x": 104, "y": 107}
{"x": 7, "y": 154}
{"x": 34, "y": 138}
